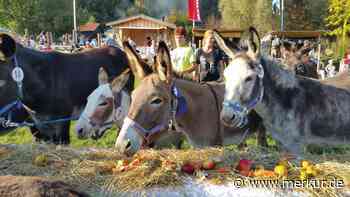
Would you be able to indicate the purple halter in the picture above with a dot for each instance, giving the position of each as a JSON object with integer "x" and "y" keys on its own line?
{"x": 178, "y": 108}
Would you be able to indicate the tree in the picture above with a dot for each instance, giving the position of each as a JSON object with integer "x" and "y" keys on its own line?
{"x": 18, "y": 14}
{"x": 338, "y": 20}
{"x": 40, "y": 15}
{"x": 316, "y": 12}
{"x": 242, "y": 14}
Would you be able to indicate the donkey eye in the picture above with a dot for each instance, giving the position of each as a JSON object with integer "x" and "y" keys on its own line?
{"x": 103, "y": 103}
{"x": 156, "y": 101}
{"x": 248, "y": 79}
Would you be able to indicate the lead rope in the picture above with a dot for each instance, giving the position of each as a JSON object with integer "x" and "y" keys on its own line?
{"x": 173, "y": 122}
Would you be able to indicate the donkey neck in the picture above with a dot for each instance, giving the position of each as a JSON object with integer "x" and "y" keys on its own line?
{"x": 199, "y": 122}
{"x": 31, "y": 58}
{"x": 280, "y": 90}
{"x": 280, "y": 86}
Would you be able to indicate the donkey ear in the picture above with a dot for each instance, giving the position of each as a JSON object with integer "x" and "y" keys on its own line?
{"x": 119, "y": 82}
{"x": 222, "y": 45}
{"x": 102, "y": 76}
{"x": 7, "y": 46}
{"x": 139, "y": 68}
{"x": 254, "y": 48}
{"x": 163, "y": 63}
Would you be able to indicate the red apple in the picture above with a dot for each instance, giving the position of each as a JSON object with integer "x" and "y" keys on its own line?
{"x": 208, "y": 165}
{"x": 244, "y": 165}
{"x": 187, "y": 168}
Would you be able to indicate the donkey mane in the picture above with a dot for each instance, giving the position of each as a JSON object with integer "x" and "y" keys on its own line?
{"x": 284, "y": 86}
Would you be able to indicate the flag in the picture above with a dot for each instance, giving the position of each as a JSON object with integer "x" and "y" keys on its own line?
{"x": 193, "y": 10}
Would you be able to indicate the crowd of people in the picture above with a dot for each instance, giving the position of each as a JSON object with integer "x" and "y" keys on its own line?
{"x": 207, "y": 62}
{"x": 202, "y": 64}
{"x": 309, "y": 53}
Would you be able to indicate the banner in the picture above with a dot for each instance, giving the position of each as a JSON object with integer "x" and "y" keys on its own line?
{"x": 193, "y": 10}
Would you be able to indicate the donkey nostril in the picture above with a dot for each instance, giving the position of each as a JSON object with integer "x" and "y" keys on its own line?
{"x": 128, "y": 145}
{"x": 80, "y": 131}
{"x": 232, "y": 117}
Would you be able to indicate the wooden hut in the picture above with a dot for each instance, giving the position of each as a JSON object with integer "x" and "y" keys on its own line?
{"x": 139, "y": 27}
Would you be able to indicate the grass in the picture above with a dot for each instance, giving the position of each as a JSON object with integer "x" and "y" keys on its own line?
{"x": 24, "y": 136}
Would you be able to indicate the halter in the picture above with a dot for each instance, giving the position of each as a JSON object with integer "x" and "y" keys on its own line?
{"x": 117, "y": 101}
{"x": 178, "y": 106}
{"x": 240, "y": 110}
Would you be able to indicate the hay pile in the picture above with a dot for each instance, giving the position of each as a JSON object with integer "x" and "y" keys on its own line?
{"x": 106, "y": 171}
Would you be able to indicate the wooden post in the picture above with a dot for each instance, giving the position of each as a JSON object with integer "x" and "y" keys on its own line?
{"x": 98, "y": 40}
{"x": 319, "y": 54}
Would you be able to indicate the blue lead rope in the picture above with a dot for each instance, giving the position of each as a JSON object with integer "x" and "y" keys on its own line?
{"x": 18, "y": 104}
{"x": 8, "y": 107}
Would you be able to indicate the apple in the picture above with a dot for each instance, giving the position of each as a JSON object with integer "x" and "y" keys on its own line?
{"x": 187, "y": 168}
{"x": 244, "y": 165}
{"x": 208, "y": 165}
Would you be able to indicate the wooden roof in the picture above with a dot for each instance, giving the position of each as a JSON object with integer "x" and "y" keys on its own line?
{"x": 141, "y": 22}
{"x": 88, "y": 27}
{"x": 226, "y": 33}
{"x": 298, "y": 34}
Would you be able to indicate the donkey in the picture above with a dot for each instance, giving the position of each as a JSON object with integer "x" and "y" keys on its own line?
{"x": 191, "y": 107}
{"x": 296, "y": 110}
{"x": 54, "y": 83}
{"x": 108, "y": 105}
{"x": 294, "y": 58}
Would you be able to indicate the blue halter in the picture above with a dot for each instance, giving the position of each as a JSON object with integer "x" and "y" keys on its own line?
{"x": 181, "y": 107}
{"x": 240, "y": 111}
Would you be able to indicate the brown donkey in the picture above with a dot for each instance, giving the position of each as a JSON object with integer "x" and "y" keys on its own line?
{"x": 192, "y": 108}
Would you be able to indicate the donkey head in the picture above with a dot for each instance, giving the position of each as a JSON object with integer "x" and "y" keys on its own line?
{"x": 150, "y": 109}
{"x": 7, "y": 46}
{"x": 7, "y": 50}
{"x": 105, "y": 105}
{"x": 243, "y": 81}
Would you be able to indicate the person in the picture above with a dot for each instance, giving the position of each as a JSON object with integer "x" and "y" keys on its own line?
{"x": 330, "y": 69}
{"x": 182, "y": 56}
{"x": 93, "y": 43}
{"x": 31, "y": 42}
{"x": 149, "y": 52}
{"x": 88, "y": 45}
{"x": 210, "y": 59}
{"x": 275, "y": 48}
{"x": 308, "y": 66}
{"x": 345, "y": 63}
{"x": 42, "y": 39}
{"x": 131, "y": 43}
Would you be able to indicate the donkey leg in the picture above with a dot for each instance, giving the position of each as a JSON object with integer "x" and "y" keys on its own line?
{"x": 261, "y": 136}
{"x": 61, "y": 133}
{"x": 57, "y": 133}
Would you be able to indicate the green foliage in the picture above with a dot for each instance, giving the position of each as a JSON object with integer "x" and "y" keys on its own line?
{"x": 316, "y": 12}
{"x": 242, "y": 14}
{"x": 39, "y": 15}
{"x": 338, "y": 20}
